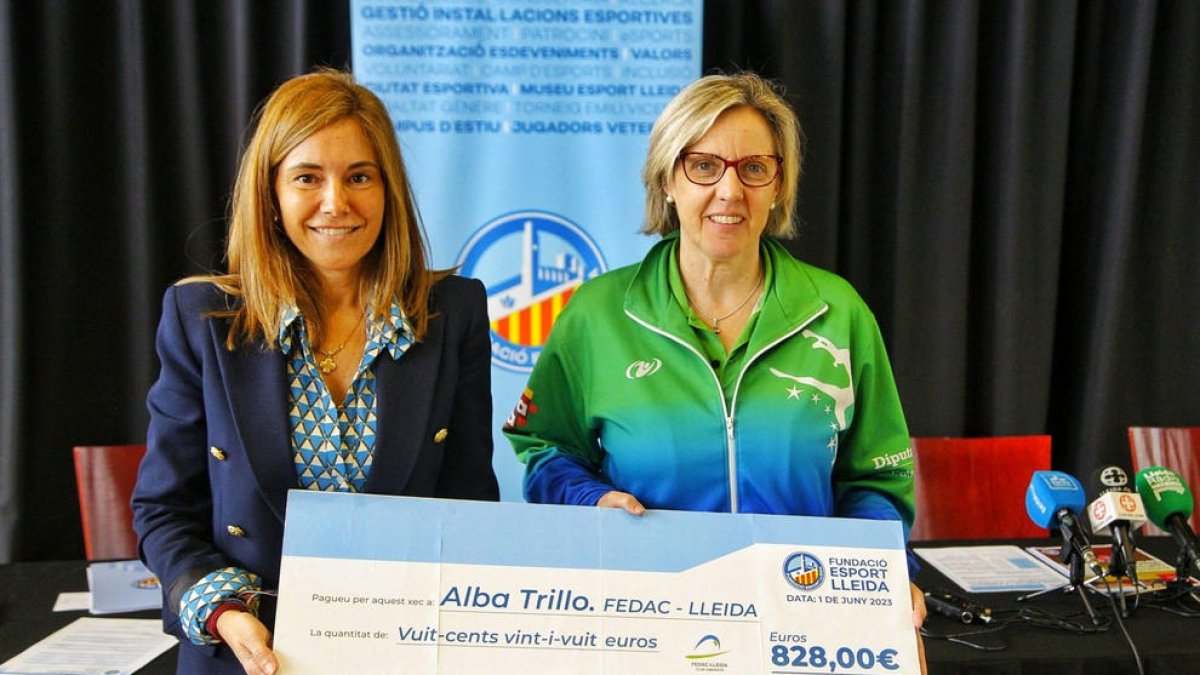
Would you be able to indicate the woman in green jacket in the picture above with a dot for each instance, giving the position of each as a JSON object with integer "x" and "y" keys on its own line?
{"x": 720, "y": 373}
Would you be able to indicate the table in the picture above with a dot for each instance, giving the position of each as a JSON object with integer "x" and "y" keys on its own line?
{"x": 27, "y": 595}
{"x": 1169, "y": 645}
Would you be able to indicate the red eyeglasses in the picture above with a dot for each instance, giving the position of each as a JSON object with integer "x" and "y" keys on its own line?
{"x": 703, "y": 168}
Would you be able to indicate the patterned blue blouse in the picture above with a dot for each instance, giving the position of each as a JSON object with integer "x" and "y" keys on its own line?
{"x": 332, "y": 446}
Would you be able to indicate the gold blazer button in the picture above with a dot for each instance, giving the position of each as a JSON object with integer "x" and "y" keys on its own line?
{"x": 217, "y": 452}
{"x": 235, "y": 530}
{"x": 440, "y": 435}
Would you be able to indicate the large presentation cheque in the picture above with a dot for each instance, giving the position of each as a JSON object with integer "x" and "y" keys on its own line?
{"x": 373, "y": 584}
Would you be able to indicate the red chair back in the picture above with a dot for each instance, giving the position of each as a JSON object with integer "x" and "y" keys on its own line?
{"x": 1175, "y": 448}
{"x": 104, "y": 476}
{"x": 974, "y": 488}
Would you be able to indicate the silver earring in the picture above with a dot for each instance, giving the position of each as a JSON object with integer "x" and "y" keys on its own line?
{"x": 670, "y": 199}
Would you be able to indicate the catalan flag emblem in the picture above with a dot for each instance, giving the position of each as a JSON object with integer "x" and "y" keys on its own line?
{"x": 531, "y": 262}
{"x": 804, "y": 571}
{"x": 531, "y": 325}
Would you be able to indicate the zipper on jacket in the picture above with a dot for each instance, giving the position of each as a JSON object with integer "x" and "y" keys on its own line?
{"x": 730, "y": 444}
{"x": 728, "y": 412}
{"x": 731, "y": 454}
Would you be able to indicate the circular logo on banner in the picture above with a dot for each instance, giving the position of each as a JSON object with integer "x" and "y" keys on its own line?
{"x": 804, "y": 571}
{"x": 531, "y": 263}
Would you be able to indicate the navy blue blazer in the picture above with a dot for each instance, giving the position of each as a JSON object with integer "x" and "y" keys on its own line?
{"x": 212, "y": 487}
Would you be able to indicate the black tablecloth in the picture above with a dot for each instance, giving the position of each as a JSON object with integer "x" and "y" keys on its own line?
{"x": 1168, "y": 644}
{"x": 27, "y": 595}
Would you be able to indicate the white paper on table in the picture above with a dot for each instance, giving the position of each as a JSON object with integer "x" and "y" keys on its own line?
{"x": 73, "y": 601}
{"x": 89, "y": 646}
{"x": 992, "y": 568}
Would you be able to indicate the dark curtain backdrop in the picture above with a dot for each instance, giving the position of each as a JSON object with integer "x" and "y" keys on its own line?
{"x": 1012, "y": 186}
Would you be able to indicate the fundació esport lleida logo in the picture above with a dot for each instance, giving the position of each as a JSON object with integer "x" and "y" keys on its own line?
{"x": 531, "y": 263}
{"x": 707, "y": 647}
{"x": 804, "y": 571}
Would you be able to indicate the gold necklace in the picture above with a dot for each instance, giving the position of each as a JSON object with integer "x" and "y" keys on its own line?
{"x": 327, "y": 365}
{"x": 718, "y": 319}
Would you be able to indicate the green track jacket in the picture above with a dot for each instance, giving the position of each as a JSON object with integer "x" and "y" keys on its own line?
{"x": 624, "y": 397}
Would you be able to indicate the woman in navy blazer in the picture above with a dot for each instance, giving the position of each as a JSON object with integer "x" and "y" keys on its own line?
{"x": 328, "y": 357}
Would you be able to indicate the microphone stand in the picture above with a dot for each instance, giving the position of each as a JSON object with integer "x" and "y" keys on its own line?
{"x": 1076, "y": 562}
{"x": 1120, "y": 565}
{"x": 1185, "y": 562}
{"x": 1075, "y": 582}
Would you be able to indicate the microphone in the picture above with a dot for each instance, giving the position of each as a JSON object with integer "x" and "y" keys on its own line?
{"x": 1169, "y": 505}
{"x": 1119, "y": 509}
{"x": 1052, "y": 501}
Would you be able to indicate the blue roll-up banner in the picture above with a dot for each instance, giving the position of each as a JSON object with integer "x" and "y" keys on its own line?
{"x": 524, "y": 126}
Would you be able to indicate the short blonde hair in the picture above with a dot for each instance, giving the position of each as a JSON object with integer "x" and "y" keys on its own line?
{"x": 691, "y": 114}
{"x": 266, "y": 271}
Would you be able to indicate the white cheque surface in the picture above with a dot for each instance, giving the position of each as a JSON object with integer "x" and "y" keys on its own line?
{"x": 406, "y": 585}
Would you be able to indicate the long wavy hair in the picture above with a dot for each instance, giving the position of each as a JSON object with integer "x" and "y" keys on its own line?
{"x": 266, "y": 272}
{"x": 691, "y": 114}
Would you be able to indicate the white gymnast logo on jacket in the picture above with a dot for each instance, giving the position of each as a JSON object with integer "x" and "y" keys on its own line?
{"x": 843, "y": 397}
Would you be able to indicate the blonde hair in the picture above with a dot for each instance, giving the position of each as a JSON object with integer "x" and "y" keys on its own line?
{"x": 266, "y": 271}
{"x": 691, "y": 114}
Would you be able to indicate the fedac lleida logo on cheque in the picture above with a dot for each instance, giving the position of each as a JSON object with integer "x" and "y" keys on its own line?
{"x": 531, "y": 263}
